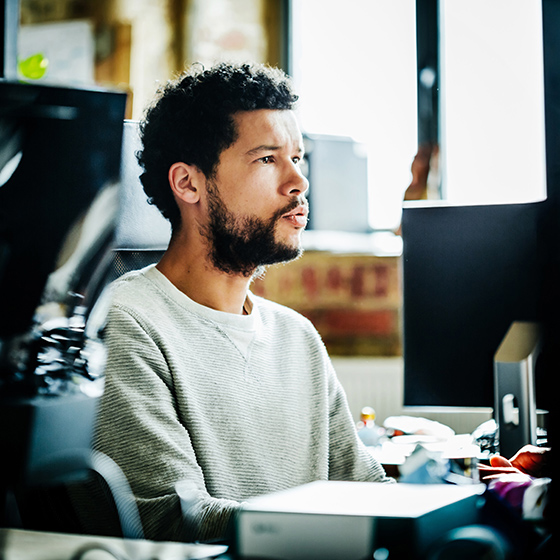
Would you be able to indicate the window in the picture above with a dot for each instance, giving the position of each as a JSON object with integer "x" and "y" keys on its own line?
{"x": 354, "y": 66}
{"x": 492, "y": 101}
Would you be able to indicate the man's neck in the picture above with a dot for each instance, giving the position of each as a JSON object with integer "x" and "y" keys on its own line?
{"x": 191, "y": 272}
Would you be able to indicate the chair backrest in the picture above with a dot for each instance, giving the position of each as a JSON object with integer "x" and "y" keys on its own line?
{"x": 125, "y": 260}
{"x": 142, "y": 232}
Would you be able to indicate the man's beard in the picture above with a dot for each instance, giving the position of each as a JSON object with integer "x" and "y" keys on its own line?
{"x": 245, "y": 245}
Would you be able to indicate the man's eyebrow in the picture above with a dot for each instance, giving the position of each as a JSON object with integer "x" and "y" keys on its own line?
{"x": 262, "y": 148}
{"x": 267, "y": 148}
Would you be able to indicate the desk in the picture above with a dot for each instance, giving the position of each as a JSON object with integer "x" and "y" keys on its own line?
{"x": 16, "y": 544}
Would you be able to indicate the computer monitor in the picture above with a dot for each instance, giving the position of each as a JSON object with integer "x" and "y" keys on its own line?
{"x": 335, "y": 164}
{"x": 469, "y": 272}
{"x": 60, "y": 156}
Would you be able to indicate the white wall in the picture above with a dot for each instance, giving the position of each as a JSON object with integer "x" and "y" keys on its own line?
{"x": 378, "y": 382}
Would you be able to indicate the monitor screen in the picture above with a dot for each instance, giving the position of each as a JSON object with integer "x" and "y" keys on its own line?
{"x": 60, "y": 152}
{"x": 468, "y": 273}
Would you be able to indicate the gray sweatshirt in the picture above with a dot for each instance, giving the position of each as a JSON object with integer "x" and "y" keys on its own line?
{"x": 237, "y": 405}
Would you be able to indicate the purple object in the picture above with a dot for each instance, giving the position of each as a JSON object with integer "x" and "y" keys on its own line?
{"x": 511, "y": 488}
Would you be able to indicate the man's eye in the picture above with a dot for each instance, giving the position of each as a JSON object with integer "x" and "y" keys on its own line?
{"x": 266, "y": 159}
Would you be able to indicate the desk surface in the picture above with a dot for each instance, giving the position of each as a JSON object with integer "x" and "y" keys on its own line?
{"x": 17, "y": 544}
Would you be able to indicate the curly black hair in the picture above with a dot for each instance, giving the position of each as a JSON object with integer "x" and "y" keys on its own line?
{"x": 191, "y": 121}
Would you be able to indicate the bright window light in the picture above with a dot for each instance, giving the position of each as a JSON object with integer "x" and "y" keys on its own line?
{"x": 492, "y": 101}
{"x": 354, "y": 67}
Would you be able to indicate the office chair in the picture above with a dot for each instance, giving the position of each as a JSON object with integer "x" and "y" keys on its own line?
{"x": 142, "y": 232}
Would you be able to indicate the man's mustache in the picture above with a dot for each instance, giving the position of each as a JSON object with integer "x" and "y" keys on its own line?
{"x": 292, "y": 205}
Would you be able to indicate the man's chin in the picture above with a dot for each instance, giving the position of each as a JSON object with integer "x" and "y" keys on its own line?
{"x": 290, "y": 245}
{"x": 283, "y": 256}
{"x": 291, "y": 242}
{"x": 287, "y": 254}
{"x": 262, "y": 257}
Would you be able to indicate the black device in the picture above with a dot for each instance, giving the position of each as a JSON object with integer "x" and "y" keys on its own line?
{"x": 68, "y": 144}
{"x": 60, "y": 157}
{"x": 469, "y": 272}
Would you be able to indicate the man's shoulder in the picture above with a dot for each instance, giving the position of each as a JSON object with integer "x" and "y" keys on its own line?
{"x": 284, "y": 325}
{"x": 273, "y": 307}
{"x": 133, "y": 288}
{"x": 272, "y": 310}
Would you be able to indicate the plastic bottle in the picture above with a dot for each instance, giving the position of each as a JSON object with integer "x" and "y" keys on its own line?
{"x": 368, "y": 431}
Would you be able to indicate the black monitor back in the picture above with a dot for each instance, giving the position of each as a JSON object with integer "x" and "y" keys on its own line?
{"x": 65, "y": 145}
{"x": 468, "y": 273}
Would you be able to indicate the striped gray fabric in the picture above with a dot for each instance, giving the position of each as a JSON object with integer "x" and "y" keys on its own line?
{"x": 236, "y": 405}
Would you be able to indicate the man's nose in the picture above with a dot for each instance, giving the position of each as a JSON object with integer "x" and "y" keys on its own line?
{"x": 296, "y": 183}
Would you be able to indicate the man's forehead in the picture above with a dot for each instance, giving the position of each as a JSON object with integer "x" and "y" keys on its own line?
{"x": 267, "y": 127}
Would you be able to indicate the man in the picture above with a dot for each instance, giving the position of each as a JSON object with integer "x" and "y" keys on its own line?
{"x": 207, "y": 383}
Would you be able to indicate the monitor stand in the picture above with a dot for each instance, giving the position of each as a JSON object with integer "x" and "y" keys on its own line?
{"x": 515, "y": 409}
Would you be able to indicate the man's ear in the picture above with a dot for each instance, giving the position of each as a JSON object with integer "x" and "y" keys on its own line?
{"x": 185, "y": 181}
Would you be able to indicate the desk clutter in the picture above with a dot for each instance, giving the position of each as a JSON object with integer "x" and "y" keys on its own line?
{"x": 327, "y": 520}
{"x": 438, "y": 510}
{"x": 517, "y": 507}
{"x": 419, "y": 450}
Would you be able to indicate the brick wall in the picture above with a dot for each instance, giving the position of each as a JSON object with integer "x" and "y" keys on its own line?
{"x": 353, "y": 300}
